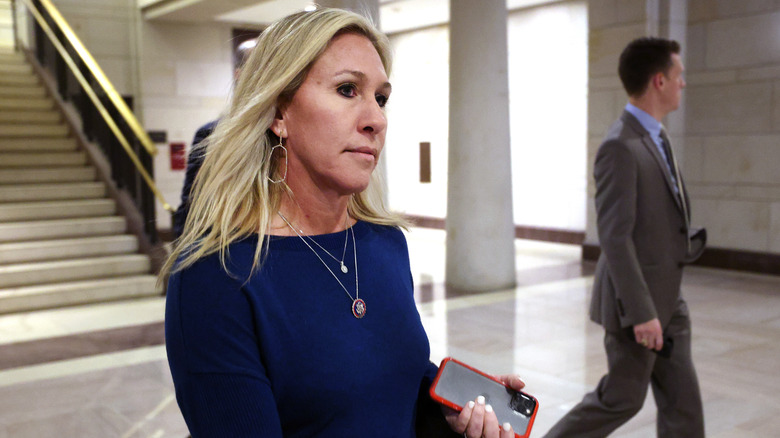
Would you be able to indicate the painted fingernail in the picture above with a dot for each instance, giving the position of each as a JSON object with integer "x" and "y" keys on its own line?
{"x": 488, "y": 408}
{"x": 481, "y": 400}
{"x": 506, "y": 427}
{"x": 471, "y": 404}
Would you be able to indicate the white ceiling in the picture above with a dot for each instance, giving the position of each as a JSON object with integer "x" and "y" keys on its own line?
{"x": 264, "y": 12}
{"x": 396, "y": 15}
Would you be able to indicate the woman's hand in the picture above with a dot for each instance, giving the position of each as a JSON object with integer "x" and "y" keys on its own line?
{"x": 477, "y": 419}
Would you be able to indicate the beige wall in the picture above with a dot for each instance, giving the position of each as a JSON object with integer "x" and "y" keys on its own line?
{"x": 733, "y": 121}
{"x": 186, "y": 75}
{"x": 731, "y": 132}
{"x": 105, "y": 28}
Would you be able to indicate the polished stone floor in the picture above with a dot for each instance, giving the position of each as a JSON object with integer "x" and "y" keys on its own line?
{"x": 99, "y": 371}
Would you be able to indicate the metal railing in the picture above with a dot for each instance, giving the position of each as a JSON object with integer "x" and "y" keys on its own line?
{"x": 107, "y": 118}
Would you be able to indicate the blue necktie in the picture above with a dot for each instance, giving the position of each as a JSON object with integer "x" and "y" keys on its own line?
{"x": 669, "y": 157}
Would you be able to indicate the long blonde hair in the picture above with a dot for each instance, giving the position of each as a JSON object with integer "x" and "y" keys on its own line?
{"x": 232, "y": 195}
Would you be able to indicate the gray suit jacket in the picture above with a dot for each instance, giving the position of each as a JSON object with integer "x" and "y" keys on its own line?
{"x": 642, "y": 231}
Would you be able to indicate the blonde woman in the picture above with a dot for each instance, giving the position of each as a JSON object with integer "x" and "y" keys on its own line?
{"x": 290, "y": 306}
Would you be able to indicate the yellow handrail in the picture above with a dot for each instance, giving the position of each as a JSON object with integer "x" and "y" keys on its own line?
{"x": 101, "y": 77}
{"x": 107, "y": 87}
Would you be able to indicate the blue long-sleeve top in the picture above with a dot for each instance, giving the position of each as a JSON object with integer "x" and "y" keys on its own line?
{"x": 279, "y": 353}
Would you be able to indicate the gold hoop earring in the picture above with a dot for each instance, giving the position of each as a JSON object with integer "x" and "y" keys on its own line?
{"x": 270, "y": 156}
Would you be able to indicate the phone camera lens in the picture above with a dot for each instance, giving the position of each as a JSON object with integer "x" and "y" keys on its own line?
{"x": 528, "y": 404}
{"x": 523, "y": 404}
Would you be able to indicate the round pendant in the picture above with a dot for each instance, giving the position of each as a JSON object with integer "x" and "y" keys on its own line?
{"x": 359, "y": 308}
{"x": 344, "y": 268}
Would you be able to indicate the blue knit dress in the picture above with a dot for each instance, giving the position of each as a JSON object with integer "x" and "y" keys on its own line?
{"x": 280, "y": 354}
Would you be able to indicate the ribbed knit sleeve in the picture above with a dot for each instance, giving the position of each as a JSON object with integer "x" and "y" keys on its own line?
{"x": 229, "y": 405}
{"x": 221, "y": 386}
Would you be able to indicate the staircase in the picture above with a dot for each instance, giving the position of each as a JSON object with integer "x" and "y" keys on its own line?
{"x": 61, "y": 240}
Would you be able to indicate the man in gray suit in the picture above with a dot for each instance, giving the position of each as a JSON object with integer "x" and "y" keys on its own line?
{"x": 643, "y": 226}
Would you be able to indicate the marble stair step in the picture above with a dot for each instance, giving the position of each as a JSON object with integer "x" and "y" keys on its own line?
{"x": 50, "y": 192}
{"x": 47, "y": 175}
{"x": 23, "y": 299}
{"x": 36, "y": 251}
{"x": 20, "y": 211}
{"x": 6, "y": 37}
{"x": 29, "y": 117}
{"x": 37, "y": 145}
{"x": 23, "y": 104}
{"x": 61, "y": 228}
{"x": 8, "y": 51}
{"x": 42, "y": 159}
{"x": 35, "y": 130}
{"x": 15, "y": 68}
{"x": 22, "y": 91}
{"x": 39, "y": 273}
{"x": 18, "y": 79}
{"x": 11, "y": 57}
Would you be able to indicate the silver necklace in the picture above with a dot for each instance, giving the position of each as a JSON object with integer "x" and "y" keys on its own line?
{"x": 343, "y": 267}
{"x": 358, "y": 305}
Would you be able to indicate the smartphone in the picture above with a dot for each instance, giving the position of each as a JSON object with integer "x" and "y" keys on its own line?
{"x": 457, "y": 384}
{"x": 666, "y": 350}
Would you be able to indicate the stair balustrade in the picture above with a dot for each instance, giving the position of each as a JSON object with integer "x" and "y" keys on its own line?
{"x": 107, "y": 118}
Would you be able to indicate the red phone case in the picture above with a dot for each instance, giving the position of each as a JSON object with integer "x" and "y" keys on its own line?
{"x": 449, "y": 403}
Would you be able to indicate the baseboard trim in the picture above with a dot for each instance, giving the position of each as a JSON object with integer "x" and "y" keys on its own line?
{"x": 29, "y": 353}
{"x": 722, "y": 258}
{"x": 521, "y": 232}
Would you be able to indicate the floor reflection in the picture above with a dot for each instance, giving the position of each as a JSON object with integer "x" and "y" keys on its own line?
{"x": 100, "y": 371}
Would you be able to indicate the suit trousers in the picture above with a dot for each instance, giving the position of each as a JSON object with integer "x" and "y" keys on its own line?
{"x": 621, "y": 392}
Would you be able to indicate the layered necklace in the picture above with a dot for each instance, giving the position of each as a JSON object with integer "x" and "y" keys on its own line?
{"x": 342, "y": 266}
{"x": 358, "y": 305}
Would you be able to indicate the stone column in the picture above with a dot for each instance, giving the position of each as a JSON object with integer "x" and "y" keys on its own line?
{"x": 480, "y": 228}
{"x": 672, "y": 23}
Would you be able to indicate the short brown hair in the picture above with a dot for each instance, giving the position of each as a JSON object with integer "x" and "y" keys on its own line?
{"x": 642, "y": 59}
